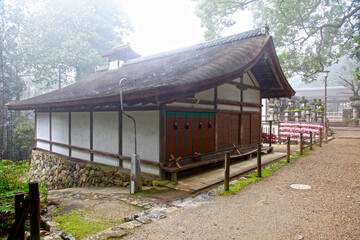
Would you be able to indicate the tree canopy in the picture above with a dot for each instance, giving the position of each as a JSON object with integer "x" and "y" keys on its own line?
{"x": 309, "y": 34}
{"x": 66, "y": 35}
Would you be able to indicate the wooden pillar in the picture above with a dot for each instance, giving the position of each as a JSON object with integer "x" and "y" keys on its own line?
{"x": 70, "y": 150}
{"x": 311, "y": 143}
{"x": 301, "y": 144}
{"x": 320, "y": 137}
{"x": 259, "y": 160}
{"x": 34, "y": 211}
{"x": 227, "y": 171}
{"x": 50, "y": 130}
{"x": 162, "y": 140}
{"x": 288, "y": 150}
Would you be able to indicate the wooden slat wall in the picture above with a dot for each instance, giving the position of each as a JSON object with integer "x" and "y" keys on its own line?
{"x": 227, "y": 130}
{"x": 246, "y": 130}
{"x": 255, "y": 129}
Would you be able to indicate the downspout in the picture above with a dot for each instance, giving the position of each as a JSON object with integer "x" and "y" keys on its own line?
{"x": 122, "y": 111}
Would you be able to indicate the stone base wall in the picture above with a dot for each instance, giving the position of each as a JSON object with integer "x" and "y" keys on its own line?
{"x": 58, "y": 172}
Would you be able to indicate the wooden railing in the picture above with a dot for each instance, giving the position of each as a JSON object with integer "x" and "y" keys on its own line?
{"x": 24, "y": 206}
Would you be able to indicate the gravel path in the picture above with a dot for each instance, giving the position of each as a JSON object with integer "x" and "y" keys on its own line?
{"x": 271, "y": 209}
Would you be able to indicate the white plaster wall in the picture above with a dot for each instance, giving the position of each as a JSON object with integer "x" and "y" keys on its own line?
{"x": 144, "y": 168}
{"x": 147, "y": 128}
{"x": 106, "y": 160}
{"x": 60, "y": 131}
{"x": 251, "y": 109}
{"x": 250, "y": 81}
{"x": 229, "y": 92}
{"x": 229, "y": 107}
{"x": 106, "y": 131}
{"x": 80, "y": 134}
{"x": 251, "y": 96}
{"x": 106, "y": 136}
{"x": 43, "y": 129}
{"x": 207, "y": 95}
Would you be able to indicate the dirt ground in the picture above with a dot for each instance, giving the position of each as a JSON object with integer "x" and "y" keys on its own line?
{"x": 271, "y": 209}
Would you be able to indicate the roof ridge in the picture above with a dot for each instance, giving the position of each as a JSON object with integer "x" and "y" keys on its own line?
{"x": 211, "y": 43}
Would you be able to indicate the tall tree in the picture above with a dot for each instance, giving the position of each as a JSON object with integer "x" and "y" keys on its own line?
{"x": 309, "y": 34}
{"x": 11, "y": 84}
{"x": 64, "y": 36}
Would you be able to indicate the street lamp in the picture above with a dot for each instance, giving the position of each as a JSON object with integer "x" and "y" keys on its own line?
{"x": 326, "y": 74}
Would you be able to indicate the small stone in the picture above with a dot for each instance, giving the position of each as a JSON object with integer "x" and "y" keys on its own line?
{"x": 144, "y": 220}
{"x": 68, "y": 237}
{"x": 157, "y": 215}
{"x": 130, "y": 225}
{"x": 125, "y": 184}
{"x": 299, "y": 237}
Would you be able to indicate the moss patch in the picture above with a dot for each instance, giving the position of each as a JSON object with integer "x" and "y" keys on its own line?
{"x": 152, "y": 191}
{"x": 84, "y": 223}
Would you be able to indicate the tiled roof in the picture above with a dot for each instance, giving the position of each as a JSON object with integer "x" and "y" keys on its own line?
{"x": 211, "y": 43}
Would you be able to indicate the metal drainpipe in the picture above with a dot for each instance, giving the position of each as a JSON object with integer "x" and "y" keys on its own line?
{"x": 135, "y": 173}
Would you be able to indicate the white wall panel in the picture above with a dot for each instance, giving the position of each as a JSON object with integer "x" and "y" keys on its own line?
{"x": 43, "y": 145}
{"x": 106, "y": 133}
{"x": 43, "y": 126}
{"x": 60, "y": 127}
{"x": 229, "y": 92}
{"x": 207, "y": 95}
{"x": 80, "y": 134}
{"x": 251, "y": 96}
{"x": 147, "y": 127}
{"x": 228, "y": 107}
{"x": 251, "y": 109}
{"x": 60, "y": 149}
{"x": 106, "y": 160}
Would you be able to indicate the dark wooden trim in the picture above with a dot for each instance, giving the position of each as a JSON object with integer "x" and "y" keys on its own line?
{"x": 50, "y": 129}
{"x": 70, "y": 133}
{"x": 91, "y": 135}
{"x": 215, "y": 98}
{"x": 162, "y": 139}
{"x": 148, "y": 162}
{"x": 185, "y": 109}
{"x": 216, "y": 109}
{"x": 120, "y": 135}
{"x": 97, "y": 109}
{"x": 251, "y": 79}
{"x": 195, "y": 101}
{"x": 236, "y": 103}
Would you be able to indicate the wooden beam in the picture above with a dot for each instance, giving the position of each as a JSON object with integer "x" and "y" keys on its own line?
{"x": 242, "y": 86}
{"x": 236, "y": 103}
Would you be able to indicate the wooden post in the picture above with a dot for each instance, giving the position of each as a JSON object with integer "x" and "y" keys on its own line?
{"x": 227, "y": 171}
{"x": 17, "y": 231}
{"x": 259, "y": 160}
{"x": 311, "y": 139}
{"x": 19, "y": 204}
{"x": 320, "y": 137}
{"x": 270, "y": 124}
{"x": 34, "y": 211}
{"x": 174, "y": 177}
{"x": 288, "y": 150}
{"x": 301, "y": 144}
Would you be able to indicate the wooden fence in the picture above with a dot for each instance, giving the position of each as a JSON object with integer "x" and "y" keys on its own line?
{"x": 23, "y": 206}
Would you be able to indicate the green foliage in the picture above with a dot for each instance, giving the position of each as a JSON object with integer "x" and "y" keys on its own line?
{"x": 12, "y": 180}
{"x": 23, "y": 137}
{"x": 254, "y": 178}
{"x": 84, "y": 223}
{"x": 308, "y": 34}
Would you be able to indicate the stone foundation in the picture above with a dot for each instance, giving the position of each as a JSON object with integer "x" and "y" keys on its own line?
{"x": 57, "y": 172}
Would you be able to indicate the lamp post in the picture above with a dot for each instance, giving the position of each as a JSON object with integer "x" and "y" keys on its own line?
{"x": 326, "y": 74}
